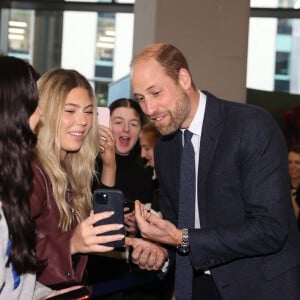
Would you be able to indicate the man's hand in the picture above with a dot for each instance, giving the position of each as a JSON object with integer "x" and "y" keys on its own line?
{"x": 147, "y": 255}
{"x": 130, "y": 222}
{"x": 156, "y": 229}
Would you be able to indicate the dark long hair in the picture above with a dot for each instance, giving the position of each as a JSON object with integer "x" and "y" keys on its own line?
{"x": 18, "y": 100}
{"x": 130, "y": 103}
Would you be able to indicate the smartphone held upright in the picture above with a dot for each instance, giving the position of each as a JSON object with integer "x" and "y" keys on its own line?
{"x": 110, "y": 200}
{"x": 103, "y": 116}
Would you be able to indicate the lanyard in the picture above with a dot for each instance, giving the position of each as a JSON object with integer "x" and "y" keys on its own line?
{"x": 16, "y": 277}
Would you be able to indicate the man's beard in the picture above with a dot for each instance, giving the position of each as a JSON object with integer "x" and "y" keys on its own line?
{"x": 177, "y": 117}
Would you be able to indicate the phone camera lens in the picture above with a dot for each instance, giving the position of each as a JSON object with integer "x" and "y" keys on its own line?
{"x": 102, "y": 198}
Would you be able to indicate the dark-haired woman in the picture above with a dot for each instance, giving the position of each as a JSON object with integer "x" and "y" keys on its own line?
{"x": 132, "y": 177}
{"x": 126, "y": 119}
{"x": 19, "y": 114}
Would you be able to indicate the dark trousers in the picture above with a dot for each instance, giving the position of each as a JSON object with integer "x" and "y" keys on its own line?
{"x": 204, "y": 288}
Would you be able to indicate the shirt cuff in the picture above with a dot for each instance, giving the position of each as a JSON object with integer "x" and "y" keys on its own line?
{"x": 165, "y": 267}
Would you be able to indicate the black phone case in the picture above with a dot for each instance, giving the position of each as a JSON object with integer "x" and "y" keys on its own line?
{"x": 110, "y": 200}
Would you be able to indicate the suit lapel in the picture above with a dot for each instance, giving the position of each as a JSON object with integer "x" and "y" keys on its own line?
{"x": 212, "y": 128}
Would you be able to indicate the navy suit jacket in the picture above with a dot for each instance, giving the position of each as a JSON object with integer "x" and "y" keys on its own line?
{"x": 249, "y": 238}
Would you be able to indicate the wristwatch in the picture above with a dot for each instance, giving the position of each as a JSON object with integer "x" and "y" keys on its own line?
{"x": 184, "y": 247}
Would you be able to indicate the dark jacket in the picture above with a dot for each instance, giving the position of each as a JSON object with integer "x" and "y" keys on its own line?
{"x": 248, "y": 238}
{"x": 52, "y": 244}
{"x": 132, "y": 178}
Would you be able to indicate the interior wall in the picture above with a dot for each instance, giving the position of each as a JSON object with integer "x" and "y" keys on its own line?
{"x": 212, "y": 34}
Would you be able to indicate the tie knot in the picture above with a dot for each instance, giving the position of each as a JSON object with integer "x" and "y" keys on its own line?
{"x": 187, "y": 136}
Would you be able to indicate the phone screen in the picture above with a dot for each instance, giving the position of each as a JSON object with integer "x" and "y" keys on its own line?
{"x": 103, "y": 116}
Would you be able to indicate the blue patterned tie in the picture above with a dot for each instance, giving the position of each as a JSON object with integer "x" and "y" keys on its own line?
{"x": 186, "y": 217}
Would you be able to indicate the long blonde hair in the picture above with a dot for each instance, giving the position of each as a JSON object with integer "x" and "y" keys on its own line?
{"x": 76, "y": 171}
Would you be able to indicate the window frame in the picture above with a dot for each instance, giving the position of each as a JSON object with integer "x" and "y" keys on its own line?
{"x": 60, "y": 5}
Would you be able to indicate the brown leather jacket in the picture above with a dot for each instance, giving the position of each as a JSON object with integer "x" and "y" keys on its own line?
{"x": 52, "y": 244}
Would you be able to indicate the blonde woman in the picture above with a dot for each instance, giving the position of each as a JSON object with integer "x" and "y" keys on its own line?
{"x": 61, "y": 205}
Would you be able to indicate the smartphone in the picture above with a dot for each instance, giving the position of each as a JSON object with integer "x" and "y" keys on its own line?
{"x": 103, "y": 115}
{"x": 130, "y": 204}
{"x": 110, "y": 200}
{"x": 79, "y": 294}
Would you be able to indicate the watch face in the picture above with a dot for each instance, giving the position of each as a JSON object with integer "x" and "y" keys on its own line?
{"x": 184, "y": 248}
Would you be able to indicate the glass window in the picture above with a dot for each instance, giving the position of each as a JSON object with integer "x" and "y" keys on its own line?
{"x": 105, "y": 40}
{"x": 275, "y": 3}
{"x": 282, "y": 63}
{"x": 19, "y": 32}
{"x": 125, "y": 1}
{"x": 273, "y": 60}
{"x": 90, "y": 42}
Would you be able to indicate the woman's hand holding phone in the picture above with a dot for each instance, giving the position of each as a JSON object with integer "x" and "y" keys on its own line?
{"x": 110, "y": 200}
{"x": 103, "y": 116}
{"x": 89, "y": 238}
{"x": 107, "y": 143}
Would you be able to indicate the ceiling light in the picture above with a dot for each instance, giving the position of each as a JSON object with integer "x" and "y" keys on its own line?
{"x": 17, "y": 24}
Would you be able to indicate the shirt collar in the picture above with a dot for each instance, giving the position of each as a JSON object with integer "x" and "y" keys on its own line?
{"x": 197, "y": 122}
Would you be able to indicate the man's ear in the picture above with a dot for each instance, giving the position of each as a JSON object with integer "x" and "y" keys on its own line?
{"x": 184, "y": 78}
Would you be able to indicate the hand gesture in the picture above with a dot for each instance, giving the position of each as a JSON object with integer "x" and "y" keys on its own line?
{"x": 154, "y": 228}
{"x": 130, "y": 222}
{"x": 107, "y": 144}
{"x": 107, "y": 153}
{"x": 89, "y": 238}
{"x": 145, "y": 254}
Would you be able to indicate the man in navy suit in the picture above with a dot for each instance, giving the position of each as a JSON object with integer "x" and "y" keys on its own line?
{"x": 245, "y": 241}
